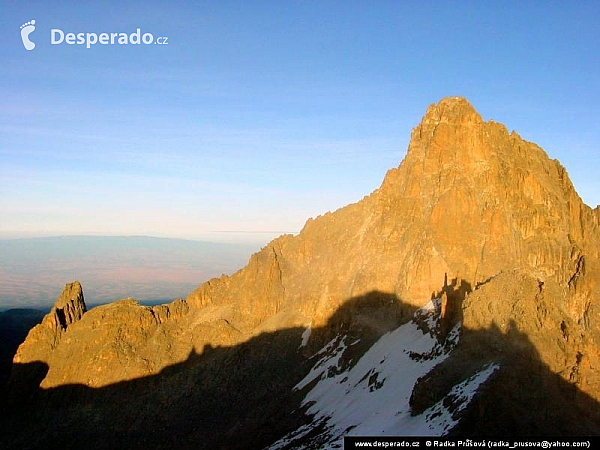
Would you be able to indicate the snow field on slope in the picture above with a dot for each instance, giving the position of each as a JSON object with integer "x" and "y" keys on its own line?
{"x": 372, "y": 398}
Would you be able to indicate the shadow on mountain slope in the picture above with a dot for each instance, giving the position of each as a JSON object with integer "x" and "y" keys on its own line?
{"x": 242, "y": 397}
{"x": 219, "y": 397}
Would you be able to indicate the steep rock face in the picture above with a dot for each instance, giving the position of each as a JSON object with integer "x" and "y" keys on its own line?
{"x": 486, "y": 200}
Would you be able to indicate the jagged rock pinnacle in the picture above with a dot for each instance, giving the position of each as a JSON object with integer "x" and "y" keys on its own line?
{"x": 43, "y": 338}
{"x": 70, "y": 306}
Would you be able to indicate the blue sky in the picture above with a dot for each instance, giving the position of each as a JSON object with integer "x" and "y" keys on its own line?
{"x": 258, "y": 115}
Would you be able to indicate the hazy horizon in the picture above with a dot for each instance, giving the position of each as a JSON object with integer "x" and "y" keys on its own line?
{"x": 216, "y": 237}
{"x": 33, "y": 271}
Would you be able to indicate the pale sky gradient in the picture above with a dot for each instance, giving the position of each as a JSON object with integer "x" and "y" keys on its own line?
{"x": 258, "y": 115}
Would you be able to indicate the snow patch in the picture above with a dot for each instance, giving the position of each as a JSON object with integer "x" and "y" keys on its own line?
{"x": 442, "y": 418}
{"x": 305, "y": 337}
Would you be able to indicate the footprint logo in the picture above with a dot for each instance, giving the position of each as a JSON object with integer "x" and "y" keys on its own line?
{"x": 26, "y": 30}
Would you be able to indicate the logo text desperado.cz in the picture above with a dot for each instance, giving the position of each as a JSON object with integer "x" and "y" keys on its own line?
{"x": 57, "y": 36}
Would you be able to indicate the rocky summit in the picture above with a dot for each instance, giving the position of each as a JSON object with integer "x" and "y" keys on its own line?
{"x": 459, "y": 298}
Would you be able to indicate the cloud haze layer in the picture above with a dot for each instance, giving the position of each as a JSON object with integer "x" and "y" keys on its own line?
{"x": 34, "y": 271}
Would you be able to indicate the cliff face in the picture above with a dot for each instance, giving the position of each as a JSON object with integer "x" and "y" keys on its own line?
{"x": 474, "y": 217}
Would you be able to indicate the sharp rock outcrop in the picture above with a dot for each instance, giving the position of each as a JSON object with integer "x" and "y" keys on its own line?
{"x": 45, "y": 337}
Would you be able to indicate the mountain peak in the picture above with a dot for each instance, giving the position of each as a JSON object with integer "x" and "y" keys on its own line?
{"x": 453, "y": 133}
{"x": 452, "y": 110}
{"x": 473, "y": 197}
